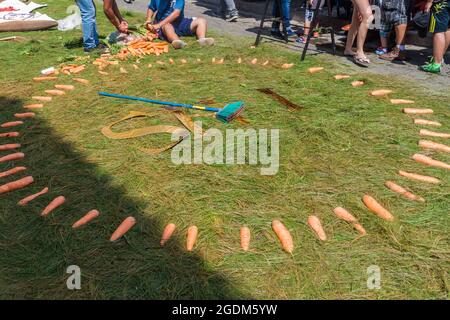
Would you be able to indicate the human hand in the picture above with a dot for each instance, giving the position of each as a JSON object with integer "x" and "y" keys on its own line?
{"x": 123, "y": 27}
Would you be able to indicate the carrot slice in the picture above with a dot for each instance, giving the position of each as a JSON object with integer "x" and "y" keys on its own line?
{"x": 287, "y": 65}
{"x": 344, "y": 215}
{"x": 55, "y": 92}
{"x": 40, "y": 79}
{"x": 425, "y": 132}
{"x": 34, "y": 106}
{"x": 12, "y": 156}
{"x": 357, "y": 83}
{"x": 11, "y": 124}
{"x": 426, "y": 144}
{"x": 18, "y": 184}
{"x": 25, "y": 115}
{"x": 9, "y": 134}
{"x": 86, "y": 218}
{"x": 430, "y": 161}
{"x": 123, "y": 228}
{"x": 316, "y": 226}
{"x": 55, "y": 203}
{"x": 245, "y": 238}
{"x": 254, "y": 61}
{"x": 377, "y": 208}
{"x": 283, "y": 235}
{"x": 10, "y": 146}
{"x": 65, "y": 86}
{"x": 341, "y": 76}
{"x": 167, "y": 233}
{"x": 26, "y": 200}
{"x": 402, "y": 191}
{"x": 81, "y": 80}
{"x": 401, "y": 101}
{"x": 42, "y": 98}
{"x": 380, "y": 92}
{"x": 417, "y": 111}
{"x": 427, "y": 122}
{"x": 419, "y": 177}
{"x": 11, "y": 171}
{"x": 315, "y": 69}
{"x": 191, "y": 238}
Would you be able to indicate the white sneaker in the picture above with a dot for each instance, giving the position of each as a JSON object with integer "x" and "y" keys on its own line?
{"x": 178, "y": 44}
{"x": 206, "y": 41}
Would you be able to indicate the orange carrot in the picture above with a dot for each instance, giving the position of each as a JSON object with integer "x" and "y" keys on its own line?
{"x": 357, "y": 83}
{"x": 283, "y": 235}
{"x": 425, "y": 132}
{"x": 42, "y": 98}
{"x": 287, "y": 65}
{"x": 34, "y": 106}
{"x": 12, "y": 171}
{"x": 10, "y": 146}
{"x": 344, "y": 215}
{"x": 254, "y": 61}
{"x": 245, "y": 238}
{"x": 168, "y": 231}
{"x": 12, "y": 156}
{"x": 191, "y": 237}
{"x": 316, "y": 225}
{"x": 25, "y": 200}
{"x": 380, "y": 93}
{"x": 239, "y": 60}
{"x": 377, "y": 208}
{"x": 265, "y": 63}
{"x": 55, "y": 92}
{"x": 65, "y": 86}
{"x": 55, "y": 203}
{"x": 427, "y": 122}
{"x": 171, "y": 61}
{"x": 77, "y": 69}
{"x": 419, "y": 177}
{"x": 220, "y": 61}
{"x": 124, "y": 227}
{"x": 417, "y": 111}
{"x": 11, "y": 124}
{"x": 87, "y": 218}
{"x": 341, "y": 76}
{"x": 315, "y": 69}
{"x": 183, "y": 61}
{"x": 430, "y": 161}
{"x": 18, "y": 184}
{"x": 25, "y": 115}
{"x": 426, "y": 144}
{"x": 81, "y": 80}
{"x": 40, "y": 79}
{"x": 9, "y": 135}
{"x": 401, "y": 101}
{"x": 402, "y": 191}
{"x": 360, "y": 229}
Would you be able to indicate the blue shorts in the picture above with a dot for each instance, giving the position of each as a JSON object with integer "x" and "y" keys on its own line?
{"x": 182, "y": 29}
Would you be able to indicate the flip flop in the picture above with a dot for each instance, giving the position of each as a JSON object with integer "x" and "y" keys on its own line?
{"x": 361, "y": 61}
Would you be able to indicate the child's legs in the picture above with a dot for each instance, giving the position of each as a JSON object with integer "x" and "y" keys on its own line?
{"x": 169, "y": 32}
{"x": 439, "y": 46}
{"x": 89, "y": 26}
{"x": 199, "y": 26}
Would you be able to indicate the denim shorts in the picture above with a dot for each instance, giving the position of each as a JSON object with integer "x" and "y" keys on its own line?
{"x": 182, "y": 28}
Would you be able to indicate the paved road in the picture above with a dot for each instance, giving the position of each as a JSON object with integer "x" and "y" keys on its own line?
{"x": 247, "y": 26}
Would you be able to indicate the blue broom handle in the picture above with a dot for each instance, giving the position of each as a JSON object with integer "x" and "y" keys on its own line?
{"x": 165, "y": 103}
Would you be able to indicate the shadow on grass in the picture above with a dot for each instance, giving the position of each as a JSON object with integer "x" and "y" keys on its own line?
{"x": 35, "y": 251}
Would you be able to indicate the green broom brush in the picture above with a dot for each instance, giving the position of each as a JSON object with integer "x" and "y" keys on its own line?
{"x": 226, "y": 114}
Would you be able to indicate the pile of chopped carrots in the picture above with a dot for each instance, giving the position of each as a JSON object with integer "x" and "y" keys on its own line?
{"x": 143, "y": 47}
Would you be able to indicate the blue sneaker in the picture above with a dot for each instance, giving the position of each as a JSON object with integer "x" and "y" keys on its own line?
{"x": 380, "y": 51}
{"x": 290, "y": 32}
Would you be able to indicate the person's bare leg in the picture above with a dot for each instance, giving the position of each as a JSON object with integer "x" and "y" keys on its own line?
{"x": 384, "y": 41}
{"x": 367, "y": 18}
{"x": 447, "y": 41}
{"x": 171, "y": 36}
{"x": 400, "y": 32}
{"x": 439, "y": 46}
{"x": 352, "y": 32}
{"x": 199, "y": 26}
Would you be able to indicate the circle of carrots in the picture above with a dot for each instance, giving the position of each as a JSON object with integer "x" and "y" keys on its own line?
{"x": 123, "y": 228}
{"x": 86, "y": 218}
{"x": 167, "y": 233}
